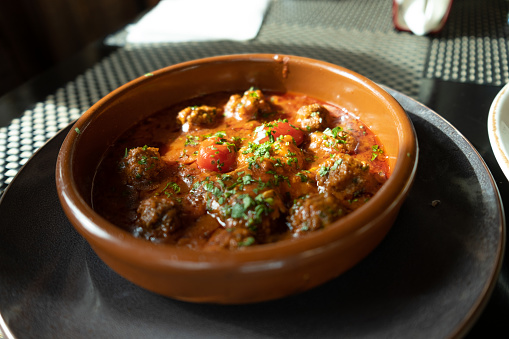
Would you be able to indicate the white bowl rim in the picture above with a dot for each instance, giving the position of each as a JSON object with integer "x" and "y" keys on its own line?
{"x": 498, "y": 129}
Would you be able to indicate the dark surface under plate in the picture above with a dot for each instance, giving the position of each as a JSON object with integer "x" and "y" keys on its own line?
{"x": 429, "y": 278}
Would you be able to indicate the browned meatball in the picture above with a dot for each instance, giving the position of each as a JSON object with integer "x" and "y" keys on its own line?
{"x": 314, "y": 212}
{"x": 142, "y": 166}
{"x": 230, "y": 239}
{"x": 347, "y": 178}
{"x": 282, "y": 156}
{"x": 158, "y": 217}
{"x": 313, "y": 117}
{"x": 258, "y": 213}
{"x": 251, "y": 105}
{"x": 198, "y": 116}
{"x": 241, "y": 202}
{"x": 334, "y": 140}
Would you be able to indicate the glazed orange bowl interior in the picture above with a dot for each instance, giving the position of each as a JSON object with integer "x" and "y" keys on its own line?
{"x": 254, "y": 273}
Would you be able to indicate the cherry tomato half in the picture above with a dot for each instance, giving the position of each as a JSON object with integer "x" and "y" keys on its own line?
{"x": 217, "y": 154}
{"x": 283, "y": 128}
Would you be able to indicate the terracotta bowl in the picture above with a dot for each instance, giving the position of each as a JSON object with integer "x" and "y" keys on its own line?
{"x": 262, "y": 272}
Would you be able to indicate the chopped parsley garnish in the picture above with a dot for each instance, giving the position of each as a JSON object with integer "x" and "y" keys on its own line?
{"x": 237, "y": 211}
{"x": 271, "y": 150}
{"x": 172, "y": 185}
{"x": 333, "y": 132}
{"x": 243, "y": 205}
{"x": 324, "y": 170}
{"x": 254, "y": 94}
{"x": 337, "y": 134}
{"x": 376, "y": 151}
{"x": 247, "y": 179}
{"x": 303, "y": 177}
{"x": 192, "y": 140}
{"x": 143, "y": 160}
{"x": 247, "y": 242}
{"x": 219, "y": 134}
{"x": 337, "y": 163}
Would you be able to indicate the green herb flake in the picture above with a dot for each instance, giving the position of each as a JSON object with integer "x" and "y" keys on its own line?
{"x": 143, "y": 160}
{"x": 376, "y": 151}
{"x": 324, "y": 170}
{"x": 172, "y": 185}
{"x": 247, "y": 202}
{"x": 337, "y": 163}
{"x": 247, "y": 242}
{"x": 220, "y": 134}
{"x": 247, "y": 179}
{"x": 303, "y": 177}
{"x": 237, "y": 211}
{"x": 192, "y": 140}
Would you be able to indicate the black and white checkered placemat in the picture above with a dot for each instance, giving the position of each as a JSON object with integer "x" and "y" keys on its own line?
{"x": 474, "y": 45}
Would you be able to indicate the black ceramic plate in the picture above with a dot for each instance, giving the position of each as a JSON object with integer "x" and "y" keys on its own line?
{"x": 429, "y": 278}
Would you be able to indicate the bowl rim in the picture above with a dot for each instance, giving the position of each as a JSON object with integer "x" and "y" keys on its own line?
{"x": 494, "y": 129}
{"x": 100, "y": 232}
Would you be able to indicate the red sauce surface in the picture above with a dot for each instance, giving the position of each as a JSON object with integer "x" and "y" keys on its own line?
{"x": 227, "y": 171}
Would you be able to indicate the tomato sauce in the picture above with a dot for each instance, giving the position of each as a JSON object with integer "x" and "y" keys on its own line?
{"x": 228, "y": 171}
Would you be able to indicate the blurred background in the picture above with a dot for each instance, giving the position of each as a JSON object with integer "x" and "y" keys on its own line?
{"x": 55, "y": 30}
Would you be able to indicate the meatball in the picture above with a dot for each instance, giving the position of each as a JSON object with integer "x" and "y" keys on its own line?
{"x": 240, "y": 202}
{"x": 313, "y": 117}
{"x": 281, "y": 156}
{"x": 197, "y": 235}
{"x": 158, "y": 217}
{"x": 334, "y": 140}
{"x": 251, "y": 105}
{"x": 347, "y": 178}
{"x": 314, "y": 212}
{"x": 194, "y": 117}
{"x": 141, "y": 167}
{"x": 230, "y": 239}
{"x": 258, "y": 213}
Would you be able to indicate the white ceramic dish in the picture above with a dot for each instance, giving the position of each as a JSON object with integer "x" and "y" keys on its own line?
{"x": 498, "y": 128}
